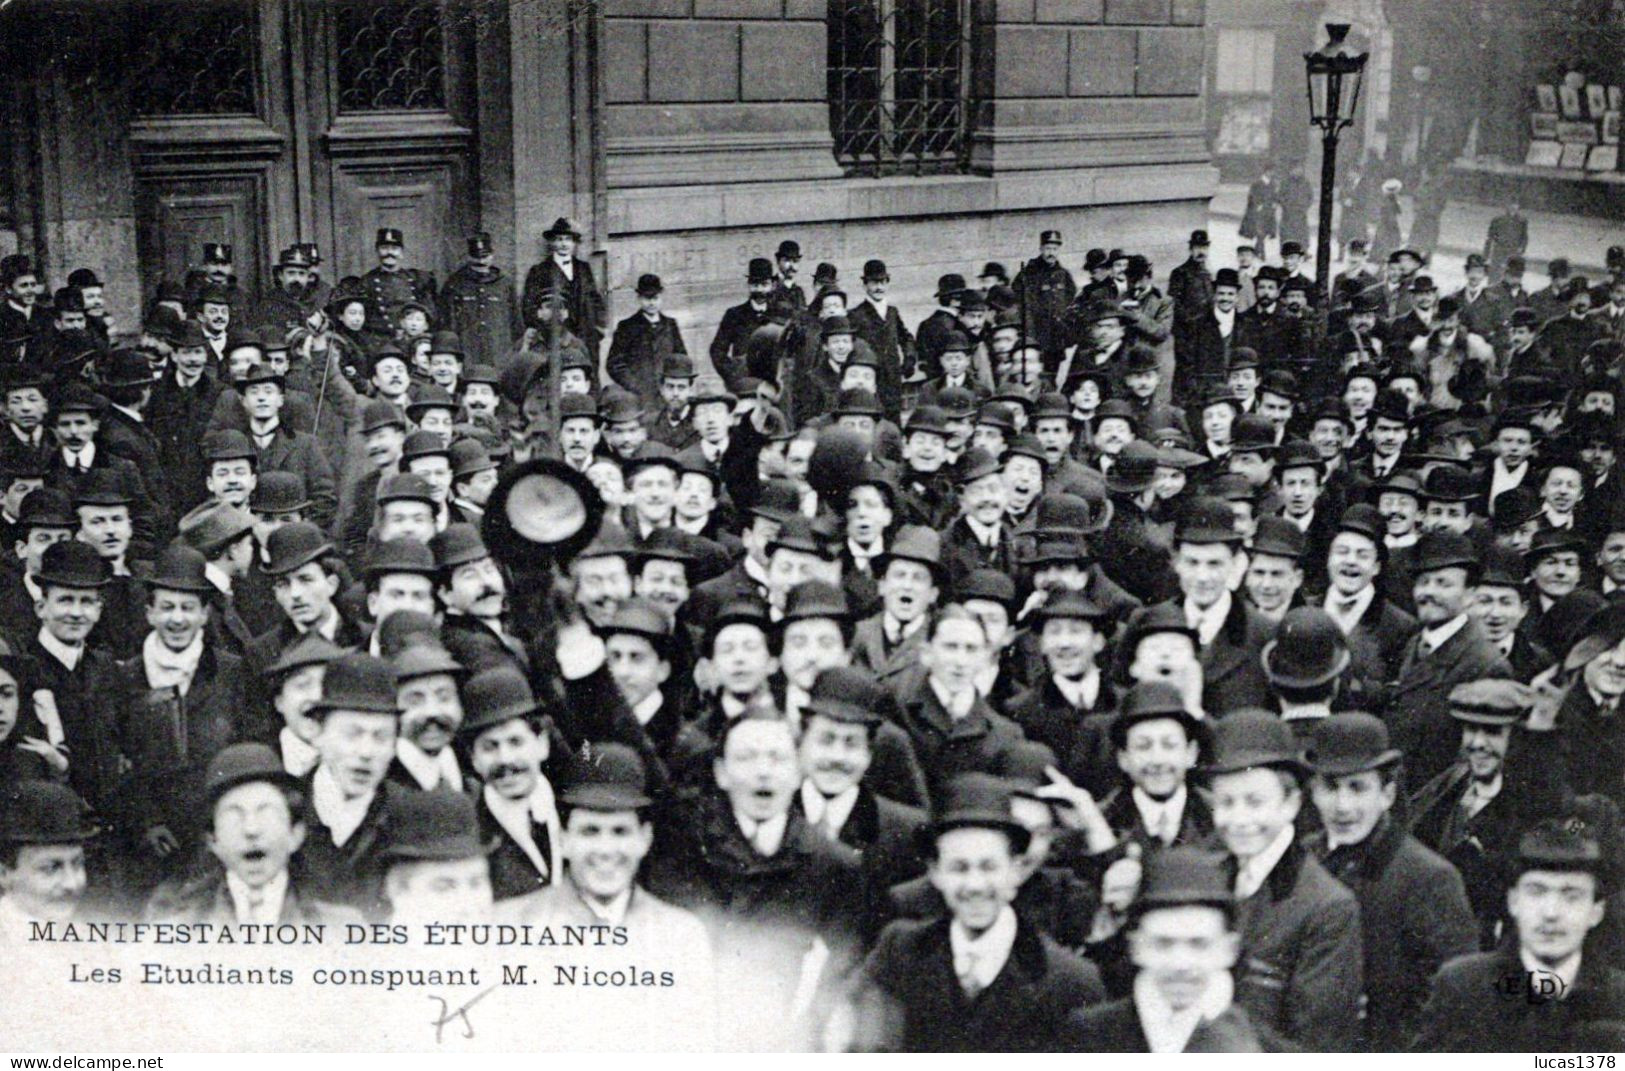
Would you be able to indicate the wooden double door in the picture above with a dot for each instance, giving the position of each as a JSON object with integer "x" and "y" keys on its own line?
{"x": 269, "y": 122}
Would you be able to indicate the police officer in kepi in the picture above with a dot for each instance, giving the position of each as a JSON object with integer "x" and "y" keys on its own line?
{"x": 389, "y": 286}
{"x": 286, "y": 304}
{"x": 478, "y": 302}
{"x": 216, "y": 270}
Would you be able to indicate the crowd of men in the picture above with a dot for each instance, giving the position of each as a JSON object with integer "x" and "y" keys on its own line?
{"x": 1232, "y": 665}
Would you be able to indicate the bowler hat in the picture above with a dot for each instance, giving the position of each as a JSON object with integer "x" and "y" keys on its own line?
{"x": 43, "y": 812}
{"x": 741, "y": 610}
{"x": 976, "y": 464}
{"x": 639, "y": 617}
{"x": 1207, "y": 520}
{"x": 468, "y": 456}
{"x": 1308, "y": 650}
{"x": 481, "y": 373}
{"x": 988, "y": 585}
{"x": 423, "y": 443}
{"x": 1069, "y": 606}
{"x": 446, "y": 342}
{"x": 228, "y": 444}
{"x": 293, "y": 546}
{"x": 404, "y": 487}
{"x": 242, "y": 764}
{"x": 1135, "y": 469}
{"x": 1280, "y": 382}
{"x": 422, "y": 659}
{"x": 677, "y": 366}
{"x": 1363, "y": 519}
{"x": 77, "y": 398}
{"x": 209, "y": 527}
{"x": 72, "y": 564}
{"x": 1252, "y": 434}
{"x": 1549, "y": 541}
{"x": 611, "y": 541}
{"x": 1227, "y": 277}
{"x": 814, "y": 600}
{"x": 1449, "y": 483}
{"x": 848, "y": 694}
{"x": 1297, "y": 454}
{"x": 978, "y": 800}
{"x": 957, "y": 403}
{"x": 1350, "y": 743}
{"x": 101, "y": 487}
{"x": 261, "y": 372}
{"x": 788, "y": 249}
{"x": 1250, "y": 738}
{"x": 856, "y": 401}
{"x": 430, "y": 396}
{"x": 1098, "y": 310}
{"x": 875, "y": 270}
{"x": 778, "y": 501}
{"x": 560, "y": 228}
{"x": 760, "y": 270}
{"x": 711, "y": 388}
{"x": 440, "y": 826}
{"x": 457, "y": 544}
{"x": 1184, "y": 876}
{"x": 607, "y": 776}
{"x": 124, "y": 368}
{"x": 1443, "y": 550}
{"x": 796, "y": 533}
{"x": 180, "y": 568}
{"x": 1280, "y": 538}
{"x": 927, "y": 418}
{"x": 1491, "y": 701}
{"x": 279, "y": 492}
{"x": 649, "y": 285}
{"x": 1151, "y": 701}
{"x": 1503, "y": 567}
{"x": 359, "y": 682}
{"x": 399, "y": 556}
{"x": 1069, "y": 515}
{"x": 1140, "y": 358}
{"x": 914, "y": 543}
{"x": 949, "y": 286}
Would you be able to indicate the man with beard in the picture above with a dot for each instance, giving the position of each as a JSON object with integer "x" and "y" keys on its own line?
{"x": 1507, "y": 776}
{"x": 1449, "y": 649}
{"x": 950, "y": 983}
{"x": 426, "y": 680}
{"x": 1044, "y": 291}
{"x": 730, "y": 346}
{"x": 1500, "y": 604}
{"x": 479, "y": 304}
{"x": 672, "y": 423}
{"x": 1561, "y": 880}
{"x": 179, "y": 702}
{"x": 350, "y": 799}
{"x": 289, "y": 304}
{"x": 624, "y": 429}
{"x": 1376, "y": 629}
{"x": 1264, "y": 328}
{"x": 43, "y": 830}
{"x": 1414, "y": 914}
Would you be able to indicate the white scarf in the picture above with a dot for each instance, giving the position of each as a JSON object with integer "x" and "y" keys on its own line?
{"x": 341, "y": 815}
{"x": 171, "y": 669}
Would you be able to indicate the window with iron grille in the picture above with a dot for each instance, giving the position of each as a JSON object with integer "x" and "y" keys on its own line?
{"x": 897, "y": 85}
{"x": 390, "y": 55}
{"x": 193, "y": 58}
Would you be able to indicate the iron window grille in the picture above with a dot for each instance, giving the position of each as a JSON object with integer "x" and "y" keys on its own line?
{"x": 391, "y": 55}
{"x": 897, "y": 85}
{"x": 194, "y": 58}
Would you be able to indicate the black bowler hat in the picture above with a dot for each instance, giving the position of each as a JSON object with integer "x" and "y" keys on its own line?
{"x": 180, "y": 568}
{"x": 1289, "y": 249}
{"x": 1444, "y": 550}
{"x": 429, "y": 396}
{"x": 43, "y": 812}
{"x": 72, "y": 564}
{"x": 1549, "y": 541}
{"x": 404, "y": 487}
{"x": 949, "y": 286}
{"x": 293, "y": 546}
{"x": 988, "y": 585}
{"x": 1308, "y": 650}
{"x": 1199, "y": 238}
{"x": 458, "y": 544}
{"x": 125, "y": 368}
{"x": 978, "y": 800}
{"x": 102, "y": 487}
{"x": 1279, "y": 538}
{"x": 813, "y": 600}
{"x": 1152, "y": 701}
{"x": 1135, "y": 469}
{"x": 1227, "y": 277}
{"x": 1449, "y": 483}
{"x": 242, "y": 764}
{"x": 1184, "y": 877}
{"x": 1248, "y": 739}
{"x": 1252, "y": 434}
{"x": 607, "y": 777}
{"x": 976, "y": 464}
{"x": 446, "y": 342}
{"x": 494, "y": 697}
{"x": 1070, "y": 605}
{"x": 875, "y": 271}
{"x": 359, "y": 682}
{"x": 638, "y": 616}
{"x": 788, "y": 249}
{"x": 1350, "y": 743}
{"x": 778, "y": 501}
{"x": 439, "y": 826}
{"x": 279, "y": 492}
{"x": 1363, "y": 519}
{"x": 419, "y": 659}
{"x": 649, "y": 285}
{"x": 760, "y": 270}
{"x": 1207, "y": 520}
{"x": 479, "y": 245}
{"x": 848, "y": 694}
{"x": 400, "y": 556}
{"x": 561, "y": 227}
{"x": 915, "y": 543}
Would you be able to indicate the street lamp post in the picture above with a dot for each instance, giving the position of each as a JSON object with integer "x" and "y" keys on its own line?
{"x": 1335, "y": 73}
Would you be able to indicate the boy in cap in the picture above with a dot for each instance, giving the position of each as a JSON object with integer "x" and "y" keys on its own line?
{"x": 1301, "y": 928}
{"x": 642, "y": 342}
{"x": 1414, "y": 914}
{"x": 952, "y": 984}
{"x": 1550, "y": 992}
{"x": 43, "y": 831}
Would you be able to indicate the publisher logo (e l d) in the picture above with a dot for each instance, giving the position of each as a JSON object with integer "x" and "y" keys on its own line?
{"x": 1534, "y": 987}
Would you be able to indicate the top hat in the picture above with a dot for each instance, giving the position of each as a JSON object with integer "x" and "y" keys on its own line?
{"x": 1308, "y": 650}
{"x": 479, "y": 245}
{"x": 1248, "y": 739}
{"x": 760, "y": 270}
{"x": 1134, "y": 470}
{"x": 359, "y": 682}
{"x": 848, "y": 694}
{"x": 279, "y": 492}
{"x": 389, "y": 236}
{"x": 180, "y": 568}
{"x": 72, "y": 564}
{"x": 1350, "y": 743}
{"x": 209, "y": 527}
{"x": 242, "y": 764}
{"x": 978, "y": 800}
{"x": 293, "y": 546}
{"x": 457, "y": 544}
{"x": 1491, "y": 701}
{"x": 43, "y": 812}
{"x": 1151, "y": 701}
{"x": 607, "y": 776}
{"x": 560, "y": 228}
{"x": 439, "y": 826}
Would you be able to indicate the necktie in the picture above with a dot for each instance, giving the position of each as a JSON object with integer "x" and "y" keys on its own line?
{"x": 544, "y": 849}
{"x": 965, "y": 968}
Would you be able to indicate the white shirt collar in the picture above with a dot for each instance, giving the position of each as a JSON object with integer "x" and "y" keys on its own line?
{"x": 271, "y": 897}
{"x": 1566, "y": 972}
{"x": 862, "y": 554}
{"x": 986, "y": 534}
{"x": 766, "y": 837}
{"x": 1349, "y": 619}
{"x": 1161, "y": 817}
{"x": 85, "y": 457}
{"x": 342, "y": 815}
{"x": 429, "y": 771}
{"x": 133, "y": 414}
{"x": 516, "y": 816}
{"x": 68, "y": 656}
{"x": 648, "y": 707}
{"x": 1167, "y": 1030}
{"x": 1556, "y": 519}
{"x": 983, "y": 956}
{"x": 298, "y": 757}
{"x": 958, "y": 706}
{"x": 1208, "y": 622}
{"x": 890, "y": 626}
{"x": 1306, "y": 712}
{"x": 1082, "y": 692}
{"x": 1409, "y": 539}
{"x": 1252, "y": 874}
{"x": 828, "y": 812}
{"x": 1438, "y": 635}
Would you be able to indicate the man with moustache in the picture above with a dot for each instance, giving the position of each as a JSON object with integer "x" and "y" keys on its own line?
{"x": 730, "y": 346}
{"x": 43, "y": 831}
{"x": 1414, "y": 914}
{"x": 426, "y": 682}
{"x": 471, "y": 587}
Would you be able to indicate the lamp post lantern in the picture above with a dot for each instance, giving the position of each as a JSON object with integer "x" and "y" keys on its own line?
{"x": 1334, "y": 76}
